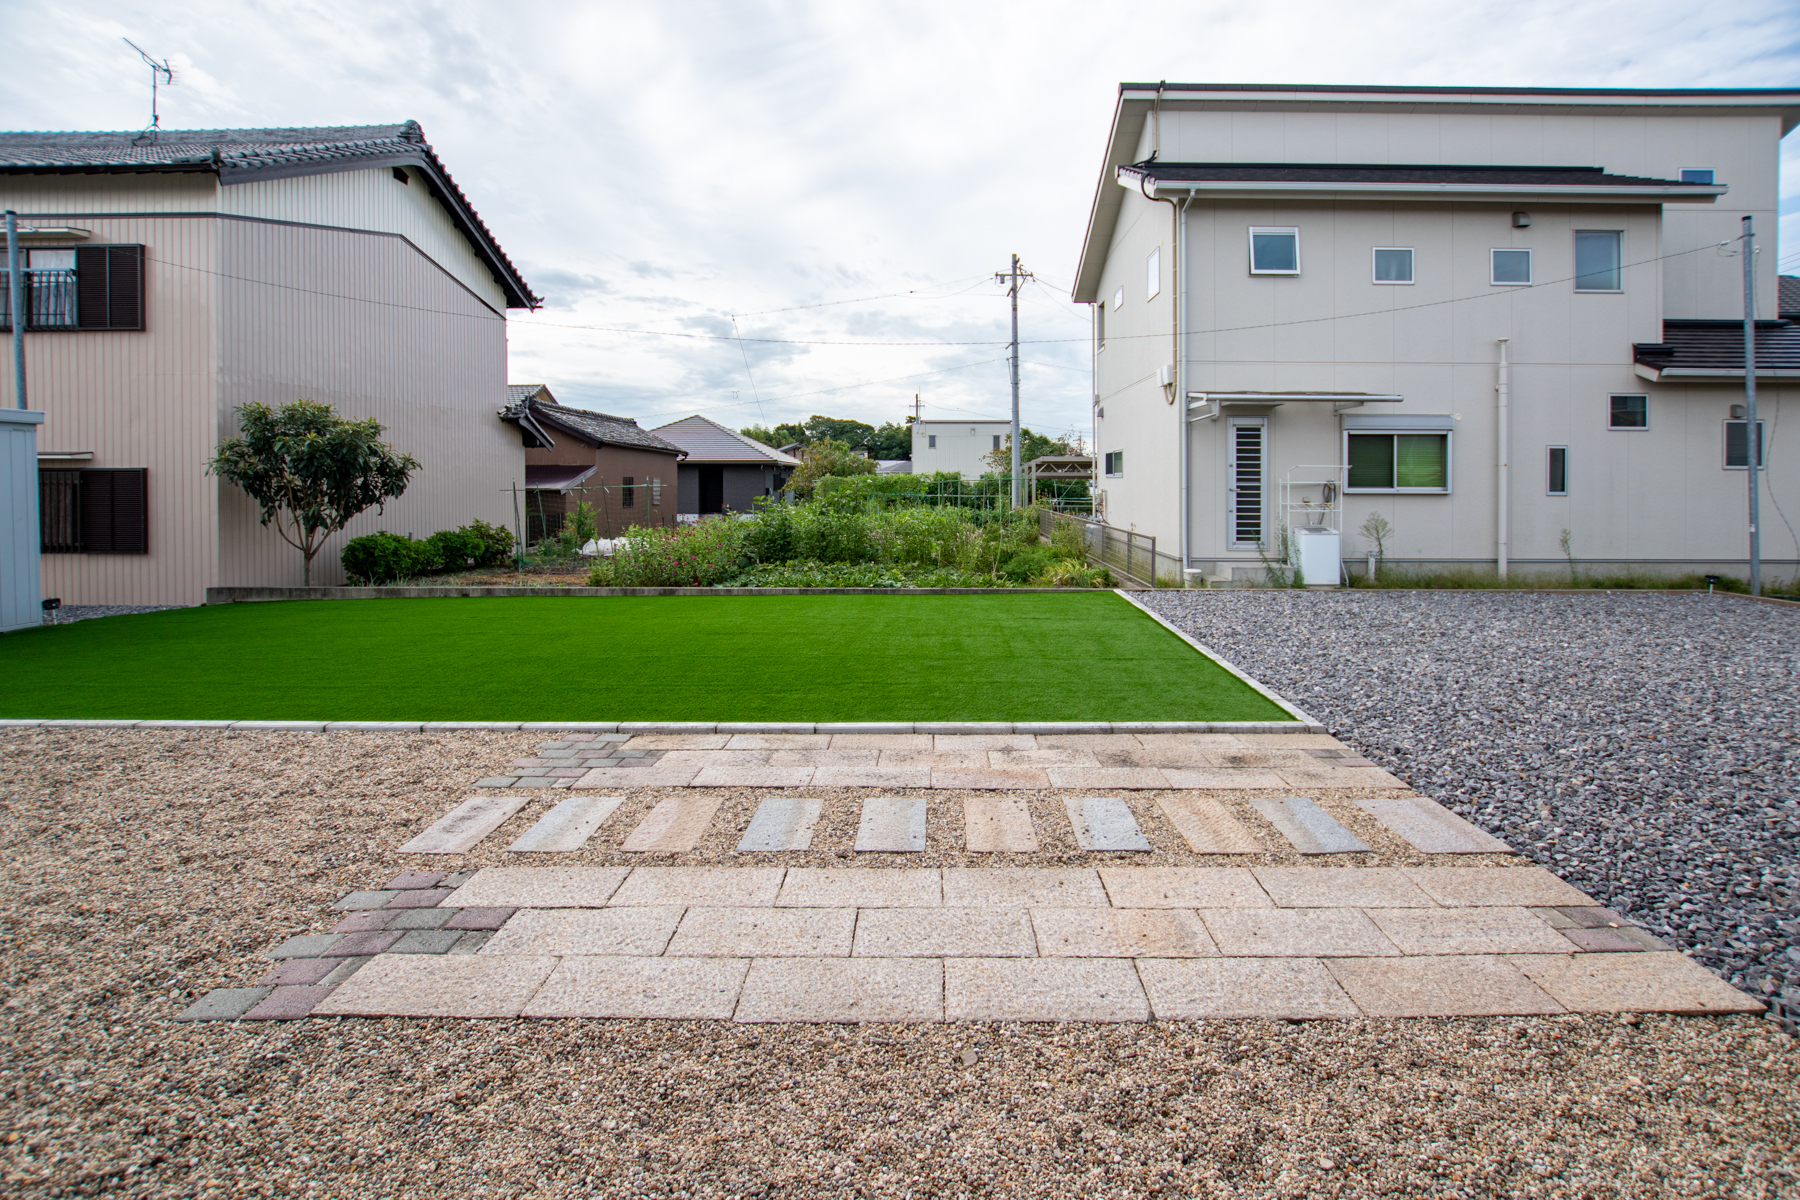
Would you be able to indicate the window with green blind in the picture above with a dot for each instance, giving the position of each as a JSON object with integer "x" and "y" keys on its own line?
{"x": 1398, "y": 462}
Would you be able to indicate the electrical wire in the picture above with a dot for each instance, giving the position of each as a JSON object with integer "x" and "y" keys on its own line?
{"x": 747, "y": 373}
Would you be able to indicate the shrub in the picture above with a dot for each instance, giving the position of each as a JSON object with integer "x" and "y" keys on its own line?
{"x": 382, "y": 557}
{"x": 496, "y": 543}
{"x": 685, "y": 556}
{"x": 1027, "y": 564}
{"x": 448, "y": 550}
{"x": 1069, "y": 573}
{"x": 875, "y": 575}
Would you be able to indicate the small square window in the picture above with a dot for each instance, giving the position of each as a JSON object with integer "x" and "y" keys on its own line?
{"x": 1736, "y": 459}
{"x": 931, "y": 441}
{"x": 1115, "y": 463}
{"x": 1274, "y": 250}
{"x": 1393, "y": 264}
{"x": 1512, "y": 268}
{"x": 1597, "y": 260}
{"x": 1558, "y": 484}
{"x": 1629, "y": 412}
{"x": 1696, "y": 175}
{"x": 1153, "y": 274}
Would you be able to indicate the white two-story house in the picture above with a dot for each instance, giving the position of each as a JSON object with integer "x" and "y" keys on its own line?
{"x": 1488, "y": 315}
{"x": 174, "y": 275}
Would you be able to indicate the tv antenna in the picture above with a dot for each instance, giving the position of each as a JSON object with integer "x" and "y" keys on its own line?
{"x": 160, "y": 74}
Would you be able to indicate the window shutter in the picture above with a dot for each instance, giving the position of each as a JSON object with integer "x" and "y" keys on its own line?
{"x": 115, "y": 516}
{"x": 109, "y": 285}
{"x": 59, "y": 512}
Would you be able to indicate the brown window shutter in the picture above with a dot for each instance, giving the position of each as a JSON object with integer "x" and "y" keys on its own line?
{"x": 109, "y": 287}
{"x": 115, "y": 510}
{"x": 90, "y": 287}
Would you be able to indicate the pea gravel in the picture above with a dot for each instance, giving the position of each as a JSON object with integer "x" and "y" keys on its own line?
{"x": 138, "y": 869}
{"x": 1644, "y": 746}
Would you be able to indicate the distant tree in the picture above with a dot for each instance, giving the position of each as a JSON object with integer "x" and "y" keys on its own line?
{"x": 310, "y": 470}
{"x": 854, "y": 434}
{"x": 1031, "y": 445}
{"x": 781, "y": 435}
{"x": 891, "y": 441}
{"x": 829, "y": 457}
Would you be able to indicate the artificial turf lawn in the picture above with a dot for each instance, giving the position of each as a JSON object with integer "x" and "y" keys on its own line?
{"x": 1086, "y": 656}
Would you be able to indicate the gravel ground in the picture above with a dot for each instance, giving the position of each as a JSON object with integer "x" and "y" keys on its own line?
{"x": 1645, "y": 747}
{"x": 87, "y": 612}
{"x": 138, "y": 869}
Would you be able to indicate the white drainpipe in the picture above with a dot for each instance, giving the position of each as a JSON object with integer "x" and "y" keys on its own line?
{"x": 1181, "y": 405}
{"x": 1503, "y": 455}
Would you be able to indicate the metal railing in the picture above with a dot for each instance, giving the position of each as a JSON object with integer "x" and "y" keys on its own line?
{"x": 1127, "y": 553}
{"x": 50, "y": 298}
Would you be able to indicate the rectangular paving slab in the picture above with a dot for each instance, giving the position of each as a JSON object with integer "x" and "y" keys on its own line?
{"x": 541, "y": 887}
{"x": 892, "y": 823}
{"x": 1043, "y": 989}
{"x": 1199, "y": 989}
{"x": 1440, "y": 986}
{"x": 1341, "y": 887}
{"x": 1120, "y": 933}
{"x": 941, "y": 932}
{"x": 1528, "y": 887}
{"x": 565, "y": 931}
{"x": 782, "y": 823}
{"x": 843, "y": 989}
{"x": 714, "y": 887}
{"x": 439, "y": 985}
{"x": 860, "y": 887}
{"x": 288, "y": 1003}
{"x": 1487, "y": 930}
{"x": 1183, "y": 887}
{"x": 764, "y": 932}
{"x": 1104, "y": 823}
{"x": 657, "y": 988}
{"x": 1659, "y": 982}
{"x": 1295, "y": 933}
{"x": 568, "y": 826}
{"x": 1023, "y": 887}
{"x": 674, "y": 826}
{"x": 998, "y": 825}
{"x": 1310, "y": 828}
{"x": 1429, "y": 826}
{"x": 224, "y": 1004}
{"x": 1207, "y": 826}
{"x": 459, "y": 830}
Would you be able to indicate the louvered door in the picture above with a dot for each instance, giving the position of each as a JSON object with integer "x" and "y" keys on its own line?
{"x": 1247, "y": 473}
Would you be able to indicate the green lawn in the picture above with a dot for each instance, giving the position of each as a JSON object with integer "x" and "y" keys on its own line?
{"x": 1086, "y": 656}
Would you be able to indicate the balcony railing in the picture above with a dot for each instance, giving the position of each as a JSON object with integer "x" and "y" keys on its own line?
{"x": 49, "y": 299}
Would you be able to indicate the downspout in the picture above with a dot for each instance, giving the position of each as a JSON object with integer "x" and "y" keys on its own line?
{"x": 1175, "y": 309}
{"x": 1502, "y": 459}
{"x": 1178, "y": 280}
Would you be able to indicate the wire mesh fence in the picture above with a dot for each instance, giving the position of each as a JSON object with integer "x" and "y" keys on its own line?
{"x": 1127, "y": 553}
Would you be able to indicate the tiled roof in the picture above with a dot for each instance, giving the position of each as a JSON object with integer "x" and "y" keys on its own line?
{"x": 710, "y": 442}
{"x": 555, "y": 477}
{"x": 1717, "y": 347}
{"x": 525, "y": 404}
{"x": 242, "y": 155}
{"x": 1493, "y": 176}
{"x": 1789, "y": 305}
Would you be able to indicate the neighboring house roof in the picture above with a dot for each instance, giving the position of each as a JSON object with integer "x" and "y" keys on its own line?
{"x": 532, "y": 406}
{"x": 1789, "y": 304}
{"x": 1715, "y": 349}
{"x": 893, "y": 466}
{"x": 710, "y": 442}
{"x": 556, "y": 477}
{"x": 245, "y": 155}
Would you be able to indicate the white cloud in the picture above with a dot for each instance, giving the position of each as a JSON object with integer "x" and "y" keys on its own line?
{"x": 663, "y": 166}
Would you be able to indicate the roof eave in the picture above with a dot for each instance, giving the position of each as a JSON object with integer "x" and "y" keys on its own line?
{"x": 1710, "y": 374}
{"x": 1225, "y": 189}
{"x": 1103, "y": 215}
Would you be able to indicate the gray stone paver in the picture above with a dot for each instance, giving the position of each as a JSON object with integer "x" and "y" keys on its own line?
{"x": 1043, "y": 989}
{"x": 310, "y": 945}
{"x": 1429, "y": 826}
{"x": 782, "y": 823}
{"x": 363, "y": 900}
{"x": 459, "y": 830}
{"x": 1440, "y": 986}
{"x": 1528, "y": 887}
{"x": 943, "y": 932}
{"x": 1104, "y": 823}
{"x": 478, "y": 918}
{"x": 1310, "y": 828}
{"x": 1663, "y": 982}
{"x": 843, "y": 989}
{"x": 1487, "y": 930}
{"x": 421, "y": 918}
{"x": 425, "y": 941}
{"x": 568, "y": 826}
{"x": 764, "y": 933}
{"x": 541, "y": 887}
{"x": 666, "y": 988}
{"x": 1340, "y": 887}
{"x": 288, "y": 1003}
{"x": 224, "y": 1004}
{"x": 892, "y": 824}
{"x": 439, "y": 985}
{"x": 1223, "y": 988}
{"x": 356, "y": 945}
{"x": 299, "y": 971}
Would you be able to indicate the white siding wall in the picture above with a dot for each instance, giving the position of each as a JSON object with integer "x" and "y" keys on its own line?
{"x": 372, "y": 200}
{"x": 962, "y": 446}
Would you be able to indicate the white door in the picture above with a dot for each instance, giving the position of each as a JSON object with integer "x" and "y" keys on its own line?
{"x": 1246, "y": 473}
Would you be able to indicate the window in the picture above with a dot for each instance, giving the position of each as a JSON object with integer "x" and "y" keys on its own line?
{"x": 1512, "y": 268}
{"x": 1153, "y": 274}
{"x": 996, "y": 441}
{"x": 1597, "y": 260}
{"x": 82, "y": 287}
{"x": 931, "y": 441}
{"x": 1274, "y": 250}
{"x": 1393, "y": 264}
{"x": 1119, "y": 299}
{"x": 1558, "y": 483}
{"x": 656, "y": 491}
{"x": 1629, "y": 412}
{"x": 1115, "y": 463}
{"x": 1696, "y": 175}
{"x": 1398, "y": 462}
{"x": 628, "y": 493}
{"x": 1100, "y": 326}
{"x": 94, "y": 511}
{"x": 1736, "y": 458}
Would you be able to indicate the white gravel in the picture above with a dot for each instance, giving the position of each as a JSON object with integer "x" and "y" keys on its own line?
{"x": 1643, "y": 746}
{"x": 87, "y": 612}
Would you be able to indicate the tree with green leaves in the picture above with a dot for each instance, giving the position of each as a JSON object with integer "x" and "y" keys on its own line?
{"x": 1031, "y": 445}
{"x": 891, "y": 441}
{"x": 781, "y": 435}
{"x": 829, "y": 457}
{"x": 310, "y": 470}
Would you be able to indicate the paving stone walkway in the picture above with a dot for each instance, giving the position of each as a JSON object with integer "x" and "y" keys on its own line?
{"x": 878, "y": 942}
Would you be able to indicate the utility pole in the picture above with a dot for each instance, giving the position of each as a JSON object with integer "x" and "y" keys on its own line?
{"x": 1013, "y": 280}
{"x": 1752, "y": 444}
{"x": 15, "y": 292}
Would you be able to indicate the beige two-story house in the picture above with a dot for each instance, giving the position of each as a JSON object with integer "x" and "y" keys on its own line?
{"x": 1488, "y": 315}
{"x": 175, "y": 275}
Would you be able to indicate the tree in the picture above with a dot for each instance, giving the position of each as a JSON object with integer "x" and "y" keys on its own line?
{"x": 829, "y": 457}
{"x": 781, "y": 435}
{"x": 891, "y": 441}
{"x": 855, "y": 434}
{"x": 1031, "y": 445}
{"x": 310, "y": 470}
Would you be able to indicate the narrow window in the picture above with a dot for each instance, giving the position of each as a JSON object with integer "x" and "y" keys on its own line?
{"x": 1119, "y": 298}
{"x": 1736, "y": 456}
{"x": 1629, "y": 412}
{"x": 1115, "y": 463}
{"x": 996, "y": 441}
{"x": 1398, "y": 462}
{"x": 628, "y": 494}
{"x": 656, "y": 491}
{"x": 1597, "y": 260}
{"x": 1153, "y": 273}
{"x": 931, "y": 441}
{"x": 1393, "y": 264}
{"x": 1274, "y": 250}
{"x": 1696, "y": 175}
{"x": 1100, "y": 326}
{"x": 1512, "y": 268}
{"x": 1558, "y": 484}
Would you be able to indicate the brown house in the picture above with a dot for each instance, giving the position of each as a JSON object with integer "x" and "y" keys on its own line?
{"x": 625, "y": 474}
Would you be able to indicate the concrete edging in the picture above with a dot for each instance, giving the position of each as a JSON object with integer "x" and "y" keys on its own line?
{"x": 1302, "y": 725}
{"x": 244, "y": 595}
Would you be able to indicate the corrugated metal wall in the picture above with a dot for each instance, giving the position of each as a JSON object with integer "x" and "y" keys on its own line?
{"x": 374, "y": 200}
{"x": 366, "y": 324}
{"x": 18, "y": 521}
{"x": 139, "y": 399}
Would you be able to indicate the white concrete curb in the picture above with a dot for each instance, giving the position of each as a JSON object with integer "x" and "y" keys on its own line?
{"x": 1303, "y": 725}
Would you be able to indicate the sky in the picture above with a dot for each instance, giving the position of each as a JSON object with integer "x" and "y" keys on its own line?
{"x": 841, "y": 181}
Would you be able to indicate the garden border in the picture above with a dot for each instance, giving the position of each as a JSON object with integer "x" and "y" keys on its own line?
{"x": 1215, "y": 656}
{"x": 242, "y": 595}
{"x": 1305, "y": 725}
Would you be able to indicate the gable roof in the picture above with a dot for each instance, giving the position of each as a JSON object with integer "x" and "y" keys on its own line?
{"x": 244, "y": 155}
{"x": 530, "y": 405}
{"x": 708, "y": 441}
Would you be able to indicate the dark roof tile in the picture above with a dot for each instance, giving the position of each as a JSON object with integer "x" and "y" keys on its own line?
{"x": 1719, "y": 346}
{"x": 599, "y": 429}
